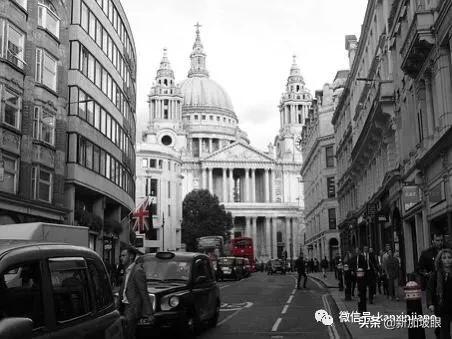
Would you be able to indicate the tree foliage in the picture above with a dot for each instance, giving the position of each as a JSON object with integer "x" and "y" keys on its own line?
{"x": 202, "y": 215}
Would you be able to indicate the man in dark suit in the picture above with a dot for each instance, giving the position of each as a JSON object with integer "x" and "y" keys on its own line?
{"x": 368, "y": 264}
{"x": 426, "y": 264}
{"x": 354, "y": 265}
{"x": 134, "y": 301}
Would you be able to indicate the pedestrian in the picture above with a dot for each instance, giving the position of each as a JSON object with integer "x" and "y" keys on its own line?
{"x": 393, "y": 274}
{"x": 324, "y": 266}
{"x": 301, "y": 270}
{"x": 380, "y": 271}
{"x": 134, "y": 301}
{"x": 311, "y": 265}
{"x": 316, "y": 265}
{"x": 354, "y": 267}
{"x": 439, "y": 292}
{"x": 369, "y": 266}
{"x": 426, "y": 264}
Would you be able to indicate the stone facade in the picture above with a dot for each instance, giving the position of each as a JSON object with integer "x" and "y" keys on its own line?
{"x": 67, "y": 123}
{"x": 201, "y": 137}
{"x": 393, "y": 129}
{"x": 321, "y": 236}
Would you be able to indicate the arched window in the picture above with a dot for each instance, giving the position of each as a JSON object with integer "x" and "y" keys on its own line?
{"x": 298, "y": 88}
{"x": 48, "y": 18}
{"x": 165, "y": 82}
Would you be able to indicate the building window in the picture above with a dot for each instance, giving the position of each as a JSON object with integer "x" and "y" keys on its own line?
{"x": 329, "y": 150}
{"x": 47, "y": 17}
{"x": 203, "y": 117}
{"x": 152, "y": 163}
{"x": 10, "y": 174}
{"x": 43, "y": 126}
{"x": 169, "y": 189}
{"x": 46, "y": 69}
{"x": 12, "y": 109}
{"x": 14, "y": 44}
{"x": 154, "y": 183}
{"x": 144, "y": 163}
{"x": 420, "y": 126}
{"x": 332, "y": 218}
{"x": 41, "y": 184}
{"x": 169, "y": 210}
{"x": 331, "y": 187}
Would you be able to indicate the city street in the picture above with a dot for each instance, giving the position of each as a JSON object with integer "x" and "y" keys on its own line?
{"x": 264, "y": 306}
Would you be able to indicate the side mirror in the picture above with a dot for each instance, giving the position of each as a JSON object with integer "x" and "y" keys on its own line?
{"x": 16, "y": 328}
{"x": 200, "y": 280}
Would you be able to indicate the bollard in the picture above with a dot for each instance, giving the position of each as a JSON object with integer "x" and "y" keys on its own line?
{"x": 348, "y": 282}
{"x": 413, "y": 297}
{"x": 340, "y": 276}
{"x": 361, "y": 282}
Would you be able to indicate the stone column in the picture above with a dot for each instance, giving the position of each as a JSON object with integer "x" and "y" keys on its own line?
{"x": 248, "y": 227}
{"x": 267, "y": 192}
{"x": 295, "y": 248}
{"x": 288, "y": 220}
{"x": 274, "y": 238}
{"x": 247, "y": 185}
{"x": 210, "y": 145}
{"x": 430, "y": 109}
{"x": 210, "y": 171}
{"x": 225, "y": 190}
{"x": 272, "y": 188}
{"x": 200, "y": 146}
{"x": 231, "y": 185}
{"x": 254, "y": 234}
{"x": 204, "y": 178}
{"x": 253, "y": 185}
{"x": 268, "y": 232}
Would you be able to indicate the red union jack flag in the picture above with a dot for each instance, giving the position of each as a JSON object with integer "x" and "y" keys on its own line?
{"x": 141, "y": 217}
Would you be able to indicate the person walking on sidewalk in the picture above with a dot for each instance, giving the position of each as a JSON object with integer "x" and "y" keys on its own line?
{"x": 324, "y": 265}
{"x": 426, "y": 264}
{"x": 301, "y": 271}
{"x": 134, "y": 301}
{"x": 367, "y": 263}
{"x": 393, "y": 271}
{"x": 439, "y": 292}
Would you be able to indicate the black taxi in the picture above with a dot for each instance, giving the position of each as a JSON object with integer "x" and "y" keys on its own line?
{"x": 183, "y": 292}
{"x": 52, "y": 290}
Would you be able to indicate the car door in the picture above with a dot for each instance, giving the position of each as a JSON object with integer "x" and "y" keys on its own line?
{"x": 201, "y": 289}
{"x": 73, "y": 302}
{"x": 22, "y": 294}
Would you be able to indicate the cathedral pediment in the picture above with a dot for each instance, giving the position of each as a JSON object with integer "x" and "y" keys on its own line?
{"x": 238, "y": 152}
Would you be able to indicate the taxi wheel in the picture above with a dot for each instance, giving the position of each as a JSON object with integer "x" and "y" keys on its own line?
{"x": 192, "y": 325}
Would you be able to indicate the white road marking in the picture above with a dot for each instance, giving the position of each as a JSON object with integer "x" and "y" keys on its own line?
{"x": 332, "y": 331}
{"x": 284, "y": 310}
{"x": 229, "y": 317}
{"x": 289, "y": 300}
{"x": 224, "y": 286}
{"x": 293, "y": 292}
{"x": 276, "y": 324}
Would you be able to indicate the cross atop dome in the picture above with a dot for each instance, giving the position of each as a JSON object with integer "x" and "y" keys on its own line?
{"x": 198, "y": 57}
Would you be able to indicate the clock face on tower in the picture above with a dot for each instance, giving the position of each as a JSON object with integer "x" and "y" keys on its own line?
{"x": 298, "y": 143}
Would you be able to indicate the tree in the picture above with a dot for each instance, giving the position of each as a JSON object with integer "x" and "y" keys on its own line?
{"x": 202, "y": 215}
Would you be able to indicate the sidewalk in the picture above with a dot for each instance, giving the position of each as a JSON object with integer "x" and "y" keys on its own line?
{"x": 381, "y": 304}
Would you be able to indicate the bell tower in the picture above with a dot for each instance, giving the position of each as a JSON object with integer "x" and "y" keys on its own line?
{"x": 293, "y": 110}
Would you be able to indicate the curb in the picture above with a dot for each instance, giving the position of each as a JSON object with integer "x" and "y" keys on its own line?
{"x": 335, "y": 314}
{"x": 322, "y": 282}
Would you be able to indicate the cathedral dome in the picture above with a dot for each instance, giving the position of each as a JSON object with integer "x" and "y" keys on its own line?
{"x": 203, "y": 91}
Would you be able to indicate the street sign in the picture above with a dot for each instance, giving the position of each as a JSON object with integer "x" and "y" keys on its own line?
{"x": 410, "y": 196}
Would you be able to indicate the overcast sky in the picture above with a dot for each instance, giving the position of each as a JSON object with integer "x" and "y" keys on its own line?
{"x": 249, "y": 46}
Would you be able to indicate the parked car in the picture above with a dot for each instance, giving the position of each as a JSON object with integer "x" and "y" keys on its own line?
{"x": 230, "y": 268}
{"x": 183, "y": 292}
{"x": 64, "y": 289}
{"x": 276, "y": 266}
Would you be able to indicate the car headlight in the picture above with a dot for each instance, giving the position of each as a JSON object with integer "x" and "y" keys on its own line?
{"x": 174, "y": 301}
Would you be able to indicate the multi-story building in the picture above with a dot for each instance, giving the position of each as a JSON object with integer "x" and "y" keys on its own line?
{"x": 393, "y": 129}
{"x": 198, "y": 137}
{"x": 420, "y": 44}
{"x": 321, "y": 237}
{"x": 67, "y": 115}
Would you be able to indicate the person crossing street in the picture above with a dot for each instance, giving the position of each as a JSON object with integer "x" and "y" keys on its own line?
{"x": 301, "y": 270}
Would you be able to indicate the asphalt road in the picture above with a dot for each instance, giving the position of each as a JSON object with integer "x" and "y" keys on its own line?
{"x": 264, "y": 306}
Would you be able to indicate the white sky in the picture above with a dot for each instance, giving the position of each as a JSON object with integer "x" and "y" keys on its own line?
{"x": 249, "y": 46}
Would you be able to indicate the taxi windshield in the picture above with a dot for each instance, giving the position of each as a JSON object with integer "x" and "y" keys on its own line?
{"x": 226, "y": 261}
{"x": 173, "y": 269}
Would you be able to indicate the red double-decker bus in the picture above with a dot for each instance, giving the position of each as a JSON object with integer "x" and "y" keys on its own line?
{"x": 243, "y": 247}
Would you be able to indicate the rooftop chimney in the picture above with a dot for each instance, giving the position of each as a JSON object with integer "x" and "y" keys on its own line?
{"x": 351, "y": 44}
